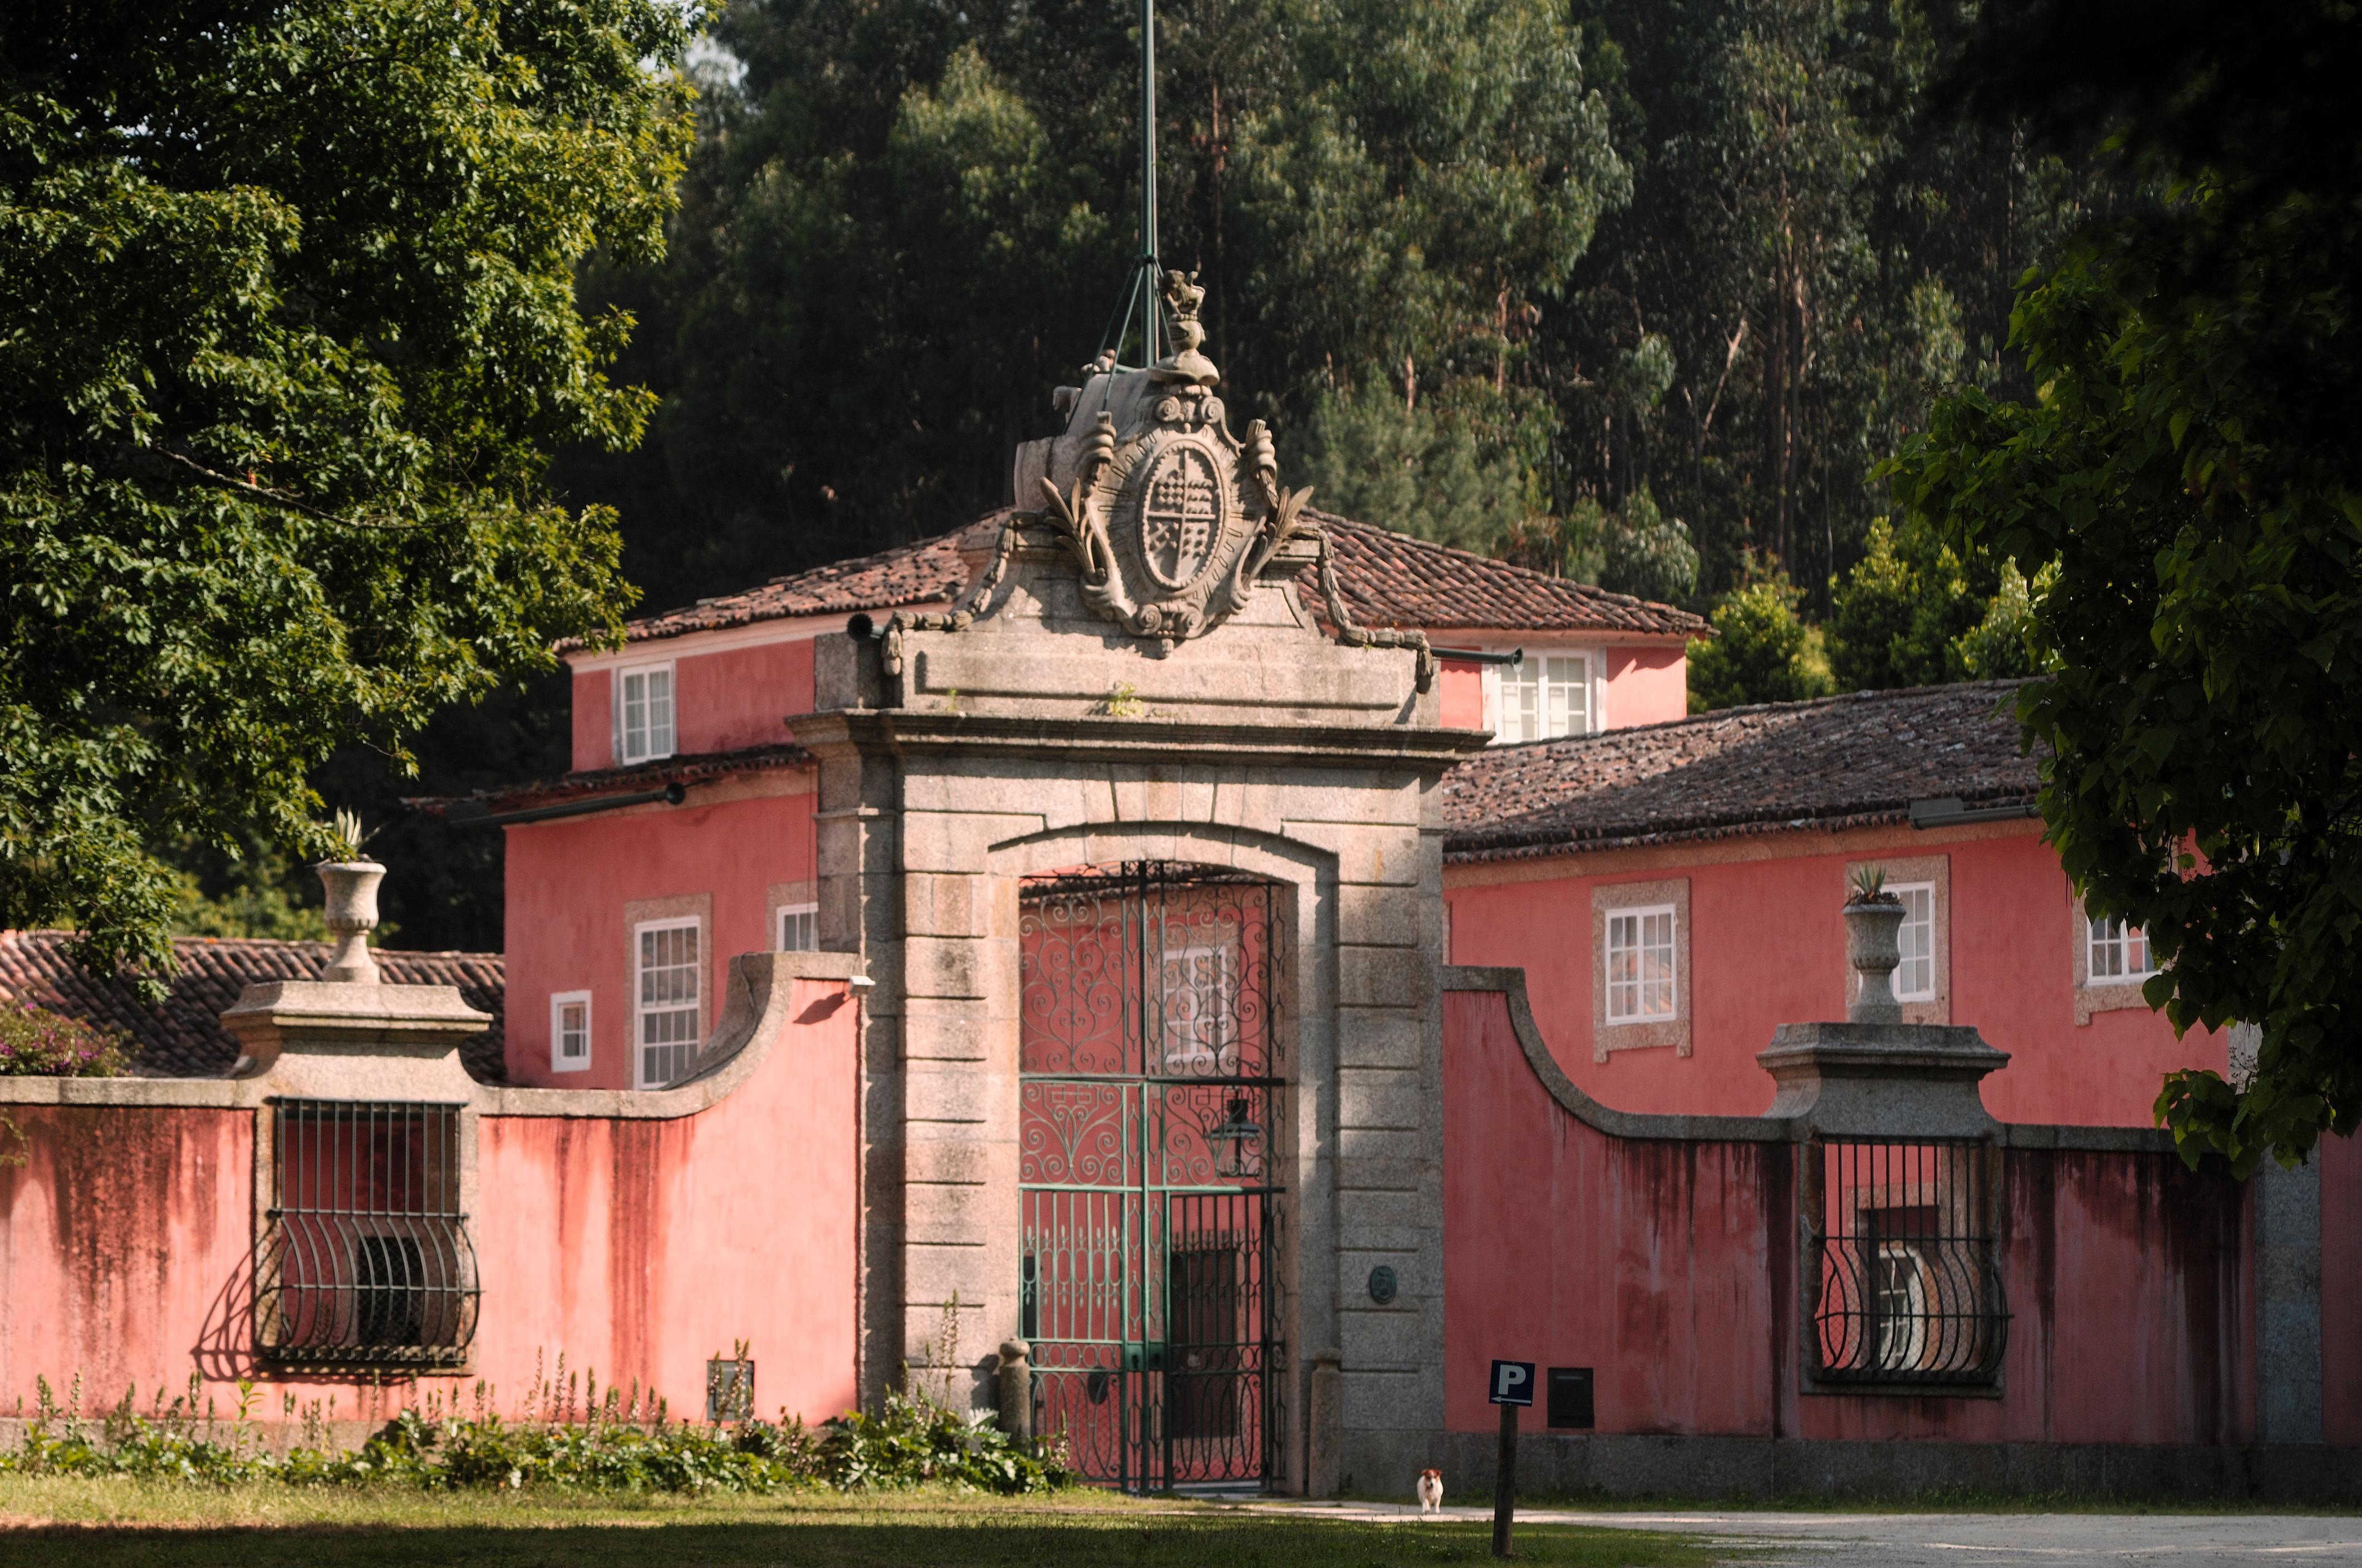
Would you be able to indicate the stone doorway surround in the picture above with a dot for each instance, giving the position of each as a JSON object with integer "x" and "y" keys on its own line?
{"x": 1032, "y": 737}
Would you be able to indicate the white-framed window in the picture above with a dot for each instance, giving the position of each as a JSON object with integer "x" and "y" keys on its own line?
{"x": 644, "y": 713}
{"x": 1546, "y": 696}
{"x": 668, "y": 986}
{"x": 1914, "y": 978}
{"x": 2118, "y": 952}
{"x": 1641, "y": 964}
{"x": 799, "y": 928}
{"x": 569, "y": 1032}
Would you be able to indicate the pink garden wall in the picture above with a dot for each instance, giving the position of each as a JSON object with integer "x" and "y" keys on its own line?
{"x": 636, "y": 1234}
{"x": 1668, "y": 1265}
{"x": 1767, "y": 947}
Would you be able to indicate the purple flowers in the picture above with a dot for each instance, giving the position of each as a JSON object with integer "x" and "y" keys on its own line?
{"x": 37, "y": 1042}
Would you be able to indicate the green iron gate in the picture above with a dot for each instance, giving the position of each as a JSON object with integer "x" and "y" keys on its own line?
{"x": 1150, "y": 1108}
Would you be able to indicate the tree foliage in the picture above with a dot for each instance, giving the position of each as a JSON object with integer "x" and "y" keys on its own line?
{"x": 1762, "y": 650}
{"x": 2189, "y": 457}
{"x": 292, "y": 321}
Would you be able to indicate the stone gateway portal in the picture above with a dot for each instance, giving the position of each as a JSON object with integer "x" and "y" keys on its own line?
{"x": 1150, "y": 1073}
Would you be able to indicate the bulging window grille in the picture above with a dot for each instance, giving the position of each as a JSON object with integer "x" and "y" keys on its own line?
{"x": 365, "y": 1260}
{"x": 1904, "y": 1270}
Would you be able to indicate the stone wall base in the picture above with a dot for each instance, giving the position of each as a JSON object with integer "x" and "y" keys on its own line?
{"x": 1384, "y": 1464}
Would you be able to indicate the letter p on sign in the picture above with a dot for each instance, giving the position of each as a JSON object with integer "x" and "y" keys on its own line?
{"x": 1513, "y": 1383}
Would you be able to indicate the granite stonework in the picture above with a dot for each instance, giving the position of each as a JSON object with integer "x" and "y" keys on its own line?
{"x": 1031, "y": 732}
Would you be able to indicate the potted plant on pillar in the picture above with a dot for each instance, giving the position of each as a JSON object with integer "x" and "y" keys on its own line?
{"x": 350, "y": 882}
{"x": 1873, "y": 946}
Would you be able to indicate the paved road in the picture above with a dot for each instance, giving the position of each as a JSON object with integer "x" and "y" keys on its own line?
{"x": 1972, "y": 1540}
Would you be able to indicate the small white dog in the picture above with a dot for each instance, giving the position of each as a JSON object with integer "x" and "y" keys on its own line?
{"x": 1431, "y": 1492}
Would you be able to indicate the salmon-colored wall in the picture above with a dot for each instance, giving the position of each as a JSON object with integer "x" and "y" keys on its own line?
{"x": 1767, "y": 947}
{"x": 643, "y": 1247}
{"x": 1459, "y": 695}
{"x": 637, "y": 1248}
{"x": 1668, "y": 1267}
{"x": 721, "y": 702}
{"x": 740, "y": 697}
{"x": 568, "y": 881}
{"x": 2341, "y": 1290}
{"x": 594, "y": 719}
{"x": 1647, "y": 686}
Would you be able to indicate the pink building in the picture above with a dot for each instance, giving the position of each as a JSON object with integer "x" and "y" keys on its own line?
{"x": 610, "y": 880}
{"x": 1718, "y": 849}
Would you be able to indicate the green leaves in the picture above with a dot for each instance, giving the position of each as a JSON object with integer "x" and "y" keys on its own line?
{"x": 291, "y": 326}
{"x": 2191, "y": 464}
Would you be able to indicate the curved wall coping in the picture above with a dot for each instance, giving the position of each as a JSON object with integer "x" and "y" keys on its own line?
{"x": 755, "y": 1013}
{"x": 1510, "y": 983}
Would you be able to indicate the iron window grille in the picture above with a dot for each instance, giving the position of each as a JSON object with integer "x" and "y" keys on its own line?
{"x": 1903, "y": 1276}
{"x": 365, "y": 1260}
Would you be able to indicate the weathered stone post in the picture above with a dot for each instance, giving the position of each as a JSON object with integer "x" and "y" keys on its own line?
{"x": 1016, "y": 1389}
{"x": 1324, "y": 1425}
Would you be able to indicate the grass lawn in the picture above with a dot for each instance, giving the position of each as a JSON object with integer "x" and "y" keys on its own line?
{"x": 96, "y": 1524}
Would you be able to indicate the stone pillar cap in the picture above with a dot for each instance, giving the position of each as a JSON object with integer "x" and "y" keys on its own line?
{"x": 1896, "y": 1080}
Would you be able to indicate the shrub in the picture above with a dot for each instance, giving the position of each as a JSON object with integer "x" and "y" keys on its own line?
{"x": 37, "y": 1042}
{"x": 908, "y": 1442}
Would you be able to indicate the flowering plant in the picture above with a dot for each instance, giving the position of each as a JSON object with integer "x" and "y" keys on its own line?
{"x": 37, "y": 1042}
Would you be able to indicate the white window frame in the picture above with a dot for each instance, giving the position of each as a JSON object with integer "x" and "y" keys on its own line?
{"x": 794, "y": 919}
{"x": 643, "y": 1013}
{"x": 559, "y": 1062}
{"x": 654, "y": 745}
{"x": 1499, "y": 680}
{"x": 1919, "y": 901}
{"x": 1641, "y": 985}
{"x": 2122, "y": 936}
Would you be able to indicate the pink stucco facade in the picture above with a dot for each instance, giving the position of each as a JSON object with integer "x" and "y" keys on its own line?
{"x": 637, "y": 1240}
{"x": 1765, "y": 946}
{"x": 574, "y": 884}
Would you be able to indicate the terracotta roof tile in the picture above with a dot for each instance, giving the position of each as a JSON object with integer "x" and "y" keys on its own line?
{"x": 922, "y": 573}
{"x": 696, "y": 768}
{"x": 183, "y": 1037}
{"x": 1387, "y": 578}
{"x": 1838, "y": 762}
{"x": 1394, "y": 579}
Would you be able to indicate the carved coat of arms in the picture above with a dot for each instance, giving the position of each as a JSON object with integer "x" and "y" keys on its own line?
{"x": 1170, "y": 516}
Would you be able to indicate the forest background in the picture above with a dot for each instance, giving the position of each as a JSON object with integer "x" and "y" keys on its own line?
{"x": 1642, "y": 292}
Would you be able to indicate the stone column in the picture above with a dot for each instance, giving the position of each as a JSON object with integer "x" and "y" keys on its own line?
{"x": 2287, "y": 1303}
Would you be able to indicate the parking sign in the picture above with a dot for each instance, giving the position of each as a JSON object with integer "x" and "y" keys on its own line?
{"x": 1513, "y": 1383}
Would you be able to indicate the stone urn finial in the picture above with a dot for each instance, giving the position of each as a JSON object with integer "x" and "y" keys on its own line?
{"x": 351, "y": 887}
{"x": 1875, "y": 947}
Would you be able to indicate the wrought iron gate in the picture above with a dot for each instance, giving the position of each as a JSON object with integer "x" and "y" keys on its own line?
{"x": 1151, "y": 1110}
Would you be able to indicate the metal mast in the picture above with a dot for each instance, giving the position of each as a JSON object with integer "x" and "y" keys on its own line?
{"x": 1142, "y": 294}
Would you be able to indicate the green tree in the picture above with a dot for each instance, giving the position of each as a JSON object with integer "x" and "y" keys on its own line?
{"x": 1912, "y": 611}
{"x": 907, "y": 223}
{"x": 2189, "y": 457}
{"x": 293, "y": 322}
{"x": 1763, "y": 651}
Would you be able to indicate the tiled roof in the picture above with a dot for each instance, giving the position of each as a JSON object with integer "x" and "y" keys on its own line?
{"x": 1387, "y": 578}
{"x": 183, "y": 1037}
{"x": 695, "y": 768}
{"x": 930, "y": 571}
{"x": 1394, "y": 579}
{"x": 1839, "y": 762}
